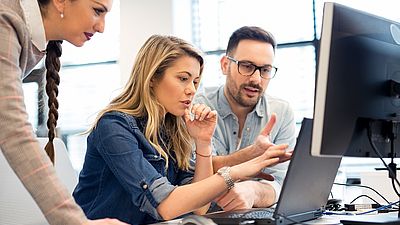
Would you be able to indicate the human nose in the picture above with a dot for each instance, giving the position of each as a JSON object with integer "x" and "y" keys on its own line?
{"x": 190, "y": 89}
{"x": 100, "y": 25}
{"x": 256, "y": 76}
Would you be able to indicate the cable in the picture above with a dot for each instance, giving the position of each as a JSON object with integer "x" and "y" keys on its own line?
{"x": 363, "y": 186}
{"x": 367, "y": 197}
{"x": 381, "y": 158}
{"x": 377, "y": 209}
{"x": 394, "y": 187}
{"x": 362, "y": 213}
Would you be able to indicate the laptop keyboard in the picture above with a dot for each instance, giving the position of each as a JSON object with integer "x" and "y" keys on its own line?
{"x": 255, "y": 214}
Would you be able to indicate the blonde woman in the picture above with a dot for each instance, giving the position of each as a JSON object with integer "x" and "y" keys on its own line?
{"x": 138, "y": 154}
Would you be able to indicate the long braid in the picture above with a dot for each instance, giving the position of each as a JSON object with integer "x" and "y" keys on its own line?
{"x": 52, "y": 63}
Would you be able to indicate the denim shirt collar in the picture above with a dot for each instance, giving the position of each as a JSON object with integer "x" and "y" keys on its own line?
{"x": 261, "y": 108}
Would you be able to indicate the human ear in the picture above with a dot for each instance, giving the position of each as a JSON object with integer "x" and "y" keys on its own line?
{"x": 152, "y": 82}
{"x": 224, "y": 62}
{"x": 59, "y": 5}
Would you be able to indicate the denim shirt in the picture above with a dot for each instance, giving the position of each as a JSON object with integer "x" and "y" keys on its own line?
{"x": 123, "y": 176}
{"x": 225, "y": 140}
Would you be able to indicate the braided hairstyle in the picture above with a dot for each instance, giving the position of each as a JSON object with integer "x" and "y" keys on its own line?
{"x": 52, "y": 63}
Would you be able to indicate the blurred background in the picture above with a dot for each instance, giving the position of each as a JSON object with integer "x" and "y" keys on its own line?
{"x": 92, "y": 75}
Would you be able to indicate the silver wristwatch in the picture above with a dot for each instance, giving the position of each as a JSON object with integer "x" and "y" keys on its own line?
{"x": 225, "y": 172}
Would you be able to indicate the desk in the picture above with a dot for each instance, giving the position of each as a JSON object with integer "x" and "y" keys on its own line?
{"x": 324, "y": 220}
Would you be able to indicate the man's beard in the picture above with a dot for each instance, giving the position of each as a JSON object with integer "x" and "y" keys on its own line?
{"x": 241, "y": 100}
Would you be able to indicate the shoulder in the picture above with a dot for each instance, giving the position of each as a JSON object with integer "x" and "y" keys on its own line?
{"x": 279, "y": 106}
{"x": 278, "y": 103}
{"x": 13, "y": 27}
{"x": 11, "y": 13}
{"x": 117, "y": 119}
{"x": 208, "y": 95}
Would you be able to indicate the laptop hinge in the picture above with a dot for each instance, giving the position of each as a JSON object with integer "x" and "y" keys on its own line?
{"x": 299, "y": 217}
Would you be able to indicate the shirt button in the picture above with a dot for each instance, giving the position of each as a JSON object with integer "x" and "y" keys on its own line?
{"x": 155, "y": 157}
{"x": 145, "y": 186}
{"x": 248, "y": 129}
{"x": 234, "y": 132}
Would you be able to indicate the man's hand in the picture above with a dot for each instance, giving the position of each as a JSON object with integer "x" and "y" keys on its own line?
{"x": 242, "y": 196}
{"x": 263, "y": 141}
{"x": 260, "y": 146}
{"x": 246, "y": 195}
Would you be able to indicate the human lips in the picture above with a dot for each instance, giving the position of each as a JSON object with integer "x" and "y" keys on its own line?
{"x": 251, "y": 89}
{"x": 186, "y": 103}
{"x": 88, "y": 35}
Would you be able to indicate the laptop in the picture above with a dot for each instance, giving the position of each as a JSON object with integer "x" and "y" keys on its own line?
{"x": 304, "y": 193}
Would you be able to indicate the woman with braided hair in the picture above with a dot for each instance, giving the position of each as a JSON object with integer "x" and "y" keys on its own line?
{"x": 26, "y": 27}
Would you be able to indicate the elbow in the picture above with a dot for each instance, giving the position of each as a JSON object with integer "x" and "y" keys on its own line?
{"x": 165, "y": 213}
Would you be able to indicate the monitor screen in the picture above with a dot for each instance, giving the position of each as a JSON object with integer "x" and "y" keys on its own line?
{"x": 357, "y": 84}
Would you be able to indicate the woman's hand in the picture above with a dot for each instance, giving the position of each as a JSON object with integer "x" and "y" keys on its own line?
{"x": 253, "y": 167}
{"x": 202, "y": 124}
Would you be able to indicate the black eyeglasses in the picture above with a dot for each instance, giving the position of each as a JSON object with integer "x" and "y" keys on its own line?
{"x": 246, "y": 68}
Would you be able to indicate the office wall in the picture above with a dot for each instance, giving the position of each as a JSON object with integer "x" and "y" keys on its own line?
{"x": 139, "y": 20}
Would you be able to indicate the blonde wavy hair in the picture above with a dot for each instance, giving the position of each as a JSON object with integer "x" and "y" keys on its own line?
{"x": 138, "y": 99}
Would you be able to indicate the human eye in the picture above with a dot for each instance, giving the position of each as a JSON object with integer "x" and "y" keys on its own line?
{"x": 183, "y": 78}
{"x": 247, "y": 65}
{"x": 98, "y": 11}
{"x": 196, "y": 81}
{"x": 266, "y": 69}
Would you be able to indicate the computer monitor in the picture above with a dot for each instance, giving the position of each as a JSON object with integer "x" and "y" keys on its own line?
{"x": 357, "y": 84}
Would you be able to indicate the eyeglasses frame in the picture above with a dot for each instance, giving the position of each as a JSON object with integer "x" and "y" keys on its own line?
{"x": 237, "y": 62}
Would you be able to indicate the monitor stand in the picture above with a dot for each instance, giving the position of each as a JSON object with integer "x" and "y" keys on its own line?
{"x": 392, "y": 218}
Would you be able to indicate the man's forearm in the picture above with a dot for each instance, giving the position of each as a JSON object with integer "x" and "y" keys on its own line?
{"x": 232, "y": 159}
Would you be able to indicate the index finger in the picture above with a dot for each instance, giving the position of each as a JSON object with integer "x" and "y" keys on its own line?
{"x": 268, "y": 127}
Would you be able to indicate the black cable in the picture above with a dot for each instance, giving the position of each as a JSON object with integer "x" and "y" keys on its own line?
{"x": 394, "y": 187}
{"x": 377, "y": 209}
{"x": 363, "y": 186}
{"x": 391, "y": 173}
{"x": 360, "y": 196}
{"x": 361, "y": 213}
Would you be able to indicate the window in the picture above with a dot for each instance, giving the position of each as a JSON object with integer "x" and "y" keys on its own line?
{"x": 296, "y": 26}
{"x": 89, "y": 77}
{"x": 214, "y": 22}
